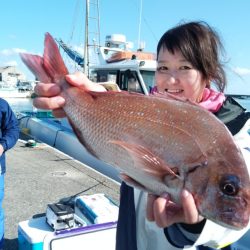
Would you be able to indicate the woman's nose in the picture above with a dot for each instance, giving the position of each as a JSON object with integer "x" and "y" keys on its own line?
{"x": 172, "y": 77}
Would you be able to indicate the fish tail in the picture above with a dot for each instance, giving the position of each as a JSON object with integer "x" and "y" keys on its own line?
{"x": 35, "y": 64}
{"x": 52, "y": 60}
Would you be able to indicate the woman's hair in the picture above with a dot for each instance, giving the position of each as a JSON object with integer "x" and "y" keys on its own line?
{"x": 201, "y": 46}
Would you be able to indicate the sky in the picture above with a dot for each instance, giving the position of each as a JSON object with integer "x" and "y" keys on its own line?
{"x": 24, "y": 23}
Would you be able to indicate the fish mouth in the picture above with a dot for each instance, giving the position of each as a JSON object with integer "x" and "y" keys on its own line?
{"x": 235, "y": 219}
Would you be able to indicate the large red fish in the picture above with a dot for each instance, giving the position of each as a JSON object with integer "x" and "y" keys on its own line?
{"x": 158, "y": 144}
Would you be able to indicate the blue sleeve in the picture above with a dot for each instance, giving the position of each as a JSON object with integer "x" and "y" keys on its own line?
{"x": 9, "y": 126}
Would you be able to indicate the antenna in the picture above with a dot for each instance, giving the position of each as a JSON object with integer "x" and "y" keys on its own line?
{"x": 139, "y": 28}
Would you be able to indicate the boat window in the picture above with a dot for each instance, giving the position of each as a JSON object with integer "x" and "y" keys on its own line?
{"x": 148, "y": 78}
{"x": 134, "y": 85}
{"x": 104, "y": 76}
{"x": 129, "y": 82}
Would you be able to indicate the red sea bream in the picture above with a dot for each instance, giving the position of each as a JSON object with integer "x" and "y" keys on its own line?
{"x": 159, "y": 144}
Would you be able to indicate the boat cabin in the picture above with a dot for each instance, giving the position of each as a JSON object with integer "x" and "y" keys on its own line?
{"x": 134, "y": 78}
{"x": 131, "y": 70}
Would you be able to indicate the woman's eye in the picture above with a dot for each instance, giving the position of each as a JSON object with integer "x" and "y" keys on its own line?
{"x": 185, "y": 67}
{"x": 162, "y": 69}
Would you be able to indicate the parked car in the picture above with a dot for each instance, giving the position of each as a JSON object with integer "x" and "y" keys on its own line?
{"x": 24, "y": 86}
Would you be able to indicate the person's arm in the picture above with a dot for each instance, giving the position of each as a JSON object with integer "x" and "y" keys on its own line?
{"x": 9, "y": 127}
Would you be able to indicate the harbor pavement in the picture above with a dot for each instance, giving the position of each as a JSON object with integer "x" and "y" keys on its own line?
{"x": 40, "y": 175}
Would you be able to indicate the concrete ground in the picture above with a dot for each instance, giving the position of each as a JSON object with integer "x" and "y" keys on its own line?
{"x": 41, "y": 175}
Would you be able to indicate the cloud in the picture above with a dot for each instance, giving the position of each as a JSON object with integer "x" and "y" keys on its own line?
{"x": 10, "y": 63}
{"x": 242, "y": 71}
{"x": 13, "y": 51}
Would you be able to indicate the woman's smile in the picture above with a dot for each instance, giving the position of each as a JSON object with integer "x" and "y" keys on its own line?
{"x": 174, "y": 91}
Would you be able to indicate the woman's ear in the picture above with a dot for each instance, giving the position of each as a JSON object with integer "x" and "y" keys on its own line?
{"x": 208, "y": 83}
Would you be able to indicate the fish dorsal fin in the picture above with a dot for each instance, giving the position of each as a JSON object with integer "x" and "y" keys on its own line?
{"x": 53, "y": 62}
{"x": 35, "y": 64}
{"x": 146, "y": 160}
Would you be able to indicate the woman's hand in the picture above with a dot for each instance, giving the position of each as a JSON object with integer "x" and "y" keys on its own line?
{"x": 48, "y": 94}
{"x": 165, "y": 213}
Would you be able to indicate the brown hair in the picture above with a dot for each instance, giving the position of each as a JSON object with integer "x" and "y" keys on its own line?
{"x": 200, "y": 45}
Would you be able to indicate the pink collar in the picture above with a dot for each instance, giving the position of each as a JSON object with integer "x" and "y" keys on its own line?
{"x": 212, "y": 100}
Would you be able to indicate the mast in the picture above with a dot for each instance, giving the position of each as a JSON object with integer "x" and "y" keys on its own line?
{"x": 139, "y": 28}
{"x": 86, "y": 42}
{"x": 92, "y": 31}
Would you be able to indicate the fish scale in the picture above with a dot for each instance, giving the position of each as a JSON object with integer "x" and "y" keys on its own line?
{"x": 158, "y": 143}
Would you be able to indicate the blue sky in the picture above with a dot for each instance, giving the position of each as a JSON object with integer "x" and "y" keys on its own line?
{"x": 24, "y": 22}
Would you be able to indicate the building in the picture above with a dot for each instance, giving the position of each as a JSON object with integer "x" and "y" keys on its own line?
{"x": 10, "y": 75}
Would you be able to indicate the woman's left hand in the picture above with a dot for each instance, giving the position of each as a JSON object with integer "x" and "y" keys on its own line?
{"x": 165, "y": 212}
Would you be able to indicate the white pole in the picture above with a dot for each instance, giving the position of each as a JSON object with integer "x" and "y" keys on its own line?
{"x": 139, "y": 29}
{"x": 86, "y": 53}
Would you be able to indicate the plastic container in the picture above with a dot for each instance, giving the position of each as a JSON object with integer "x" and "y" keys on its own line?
{"x": 36, "y": 234}
{"x": 31, "y": 233}
{"x": 97, "y": 208}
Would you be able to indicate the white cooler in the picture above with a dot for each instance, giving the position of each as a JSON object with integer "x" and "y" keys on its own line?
{"x": 36, "y": 234}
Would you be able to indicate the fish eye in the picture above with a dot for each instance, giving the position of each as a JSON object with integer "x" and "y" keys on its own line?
{"x": 229, "y": 185}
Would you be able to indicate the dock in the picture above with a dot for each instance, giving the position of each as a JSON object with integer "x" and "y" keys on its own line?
{"x": 40, "y": 175}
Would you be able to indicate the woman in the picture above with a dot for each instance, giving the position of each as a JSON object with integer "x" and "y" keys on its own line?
{"x": 188, "y": 63}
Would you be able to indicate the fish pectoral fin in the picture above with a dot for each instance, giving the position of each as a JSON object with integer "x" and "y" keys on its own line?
{"x": 146, "y": 160}
{"x": 132, "y": 182}
{"x": 193, "y": 166}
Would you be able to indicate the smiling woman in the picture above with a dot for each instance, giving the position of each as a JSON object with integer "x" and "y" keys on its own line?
{"x": 177, "y": 76}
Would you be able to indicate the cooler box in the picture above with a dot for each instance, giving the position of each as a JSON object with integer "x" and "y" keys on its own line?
{"x": 31, "y": 233}
{"x": 35, "y": 234}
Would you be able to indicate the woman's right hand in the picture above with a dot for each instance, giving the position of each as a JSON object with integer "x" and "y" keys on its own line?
{"x": 165, "y": 213}
{"x": 48, "y": 94}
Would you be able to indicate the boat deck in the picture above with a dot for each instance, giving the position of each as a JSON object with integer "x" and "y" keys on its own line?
{"x": 41, "y": 175}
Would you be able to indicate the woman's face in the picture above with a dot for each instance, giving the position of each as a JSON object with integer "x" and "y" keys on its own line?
{"x": 177, "y": 76}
